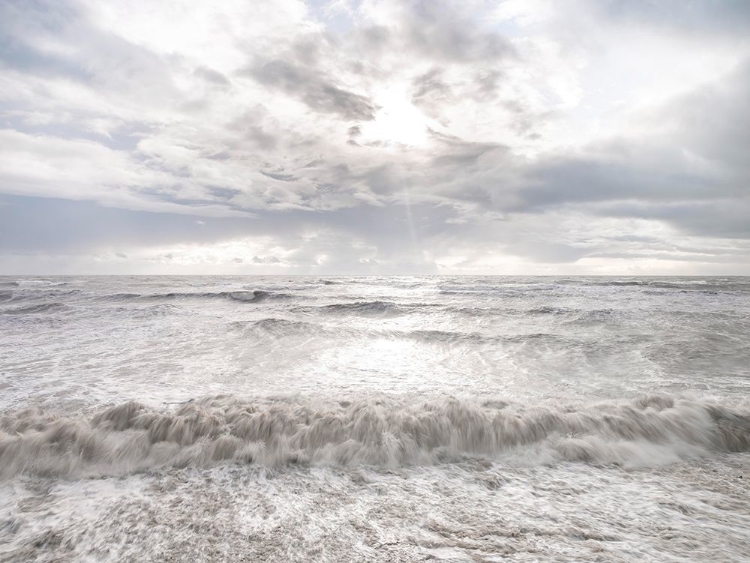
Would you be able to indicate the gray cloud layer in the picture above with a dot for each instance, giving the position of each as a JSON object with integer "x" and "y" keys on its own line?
{"x": 576, "y": 137}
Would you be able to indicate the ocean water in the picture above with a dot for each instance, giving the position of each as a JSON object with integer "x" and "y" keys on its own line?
{"x": 374, "y": 419}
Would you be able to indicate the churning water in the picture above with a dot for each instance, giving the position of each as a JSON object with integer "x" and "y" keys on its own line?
{"x": 365, "y": 419}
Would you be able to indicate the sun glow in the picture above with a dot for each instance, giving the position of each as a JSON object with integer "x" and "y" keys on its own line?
{"x": 397, "y": 122}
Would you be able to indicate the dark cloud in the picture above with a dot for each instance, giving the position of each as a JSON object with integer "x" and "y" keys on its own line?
{"x": 280, "y": 176}
{"x": 701, "y": 16}
{"x": 693, "y": 174}
{"x": 316, "y": 91}
{"x": 122, "y": 136}
{"x": 431, "y": 93}
{"x": 713, "y": 121}
{"x": 223, "y": 193}
{"x": 545, "y": 252}
{"x": 212, "y": 76}
{"x": 570, "y": 180}
{"x": 264, "y": 139}
{"x": 24, "y": 58}
{"x": 375, "y": 38}
{"x": 443, "y": 32}
{"x": 31, "y": 225}
{"x": 718, "y": 219}
{"x": 458, "y": 152}
{"x": 259, "y": 127}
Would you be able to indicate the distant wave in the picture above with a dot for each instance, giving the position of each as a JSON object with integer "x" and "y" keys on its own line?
{"x": 255, "y": 296}
{"x": 474, "y": 338}
{"x": 623, "y": 283}
{"x": 35, "y": 294}
{"x": 653, "y": 430}
{"x": 575, "y": 314}
{"x": 547, "y": 310}
{"x": 284, "y": 327}
{"x": 519, "y": 288}
{"x": 33, "y": 309}
{"x": 277, "y": 327}
{"x": 704, "y": 286}
{"x": 362, "y": 308}
{"x": 442, "y": 336}
{"x": 151, "y": 311}
{"x": 369, "y": 308}
{"x": 39, "y": 283}
{"x": 122, "y": 296}
{"x": 473, "y": 291}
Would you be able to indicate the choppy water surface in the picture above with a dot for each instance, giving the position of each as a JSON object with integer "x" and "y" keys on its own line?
{"x": 360, "y": 419}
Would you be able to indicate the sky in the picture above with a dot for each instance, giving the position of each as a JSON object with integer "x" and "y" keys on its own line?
{"x": 554, "y": 137}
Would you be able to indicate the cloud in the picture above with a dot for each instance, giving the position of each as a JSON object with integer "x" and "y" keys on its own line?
{"x": 690, "y": 172}
{"x": 212, "y": 76}
{"x": 717, "y": 16}
{"x": 318, "y": 93}
{"x": 445, "y": 31}
{"x": 376, "y": 136}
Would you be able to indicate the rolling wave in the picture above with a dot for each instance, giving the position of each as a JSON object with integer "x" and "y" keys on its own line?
{"x": 682, "y": 285}
{"x": 39, "y": 283}
{"x": 362, "y": 308}
{"x": 254, "y": 296}
{"x": 547, "y": 310}
{"x": 652, "y": 430}
{"x": 278, "y": 327}
{"x": 34, "y": 309}
{"x": 443, "y": 336}
{"x": 36, "y": 294}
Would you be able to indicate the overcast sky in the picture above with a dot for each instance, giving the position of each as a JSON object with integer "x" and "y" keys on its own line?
{"x": 375, "y": 137}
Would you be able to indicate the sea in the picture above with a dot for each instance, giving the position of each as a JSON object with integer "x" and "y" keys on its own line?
{"x": 338, "y": 419}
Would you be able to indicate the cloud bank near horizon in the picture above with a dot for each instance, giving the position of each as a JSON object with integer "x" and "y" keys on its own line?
{"x": 382, "y": 137}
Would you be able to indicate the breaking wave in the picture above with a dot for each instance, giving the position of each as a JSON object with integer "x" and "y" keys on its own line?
{"x": 131, "y": 437}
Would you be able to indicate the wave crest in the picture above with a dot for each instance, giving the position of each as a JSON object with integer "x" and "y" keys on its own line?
{"x": 133, "y": 437}
{"x": 253, "y": 296}
{"x": 34, "y": 309}
{"x": 362, "y": 308}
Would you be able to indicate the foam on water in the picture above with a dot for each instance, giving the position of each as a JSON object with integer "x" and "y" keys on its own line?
{"x": 393, "y": 419}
